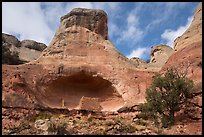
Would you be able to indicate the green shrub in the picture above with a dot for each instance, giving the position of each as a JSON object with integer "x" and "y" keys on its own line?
{"x": 165, "y": 96}
{"x": 124, "y": 128}
{"x": 142, "y": 123}
{"x": 128, "y": 128}
{"x": 59, "y": 128}
{"x": 42, "y": 115}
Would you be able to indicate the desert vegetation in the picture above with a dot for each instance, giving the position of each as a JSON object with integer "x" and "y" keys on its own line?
{"x": 165, "y": 97}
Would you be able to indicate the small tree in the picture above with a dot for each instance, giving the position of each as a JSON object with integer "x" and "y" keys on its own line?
{"x": 165, "y": 96}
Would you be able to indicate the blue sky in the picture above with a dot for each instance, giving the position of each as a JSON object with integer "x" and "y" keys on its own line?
{"x": 134, "y": 27}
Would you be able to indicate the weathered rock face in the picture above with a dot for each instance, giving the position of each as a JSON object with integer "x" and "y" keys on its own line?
{"x": 11, "y": 40}
{"x": 194, "y": 33}
{"x": 94, "y": 20}
{"x": 87, "y": 103}
{"x": 81, "y": 62}
{"x": 31, "y": 44}
{"x": 188, "y": 60}
{"x": 28, "y": 50}
{"x": 160, "y": 54}
{"x": 91, "y": 65}
{"x": 137, "y": 61}
{"x": 81, "y": 69}
{"x": 188, "y": 56}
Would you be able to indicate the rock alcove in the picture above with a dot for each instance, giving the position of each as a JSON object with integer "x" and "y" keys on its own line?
{"x": 69, "y": 91}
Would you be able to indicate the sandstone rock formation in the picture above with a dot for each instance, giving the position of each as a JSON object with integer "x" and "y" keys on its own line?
{"x": 95, "y": 21}
{"x": 189, "y": 51}
{"x": 81, "y": 69}
{"x": 159, "y": 55}
{"x": 89, "y": 64}
{"x": 188, "y": 60}
{"x": 80, "y": 62}
{"x": 88, "y": 103}
{"x": 138, "y": 62}
{"x": 28, "y": 50}
{"x": 194, "y": 33}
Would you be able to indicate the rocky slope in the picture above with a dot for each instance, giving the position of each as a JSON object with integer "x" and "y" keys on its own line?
{"x": 27, "y": 50}
{"x": 81, "y": 72}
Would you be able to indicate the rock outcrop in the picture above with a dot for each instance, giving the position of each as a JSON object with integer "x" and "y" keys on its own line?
{"x": 138, "y": 62}
{"x": 188, "y": 55}
{"x": 82, "y": 70}
{"x": 10, "y": 40}
{"x": 80, "y": 62}
{"x": 94, "y": 20}
{"x": 31, "y": 44}
{"x": 27, "y": 50}
{"x": 193, "y": 34}
{"x": 188, "y": 60}
{"x": 88, "y": 103}
{"x": 159, "y": 56}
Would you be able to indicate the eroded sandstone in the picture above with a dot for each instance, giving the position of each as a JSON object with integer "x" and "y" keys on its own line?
{"x": 194, "y": 33}
{"x": 81, "y": 62}
{"x": 82, "y": 70}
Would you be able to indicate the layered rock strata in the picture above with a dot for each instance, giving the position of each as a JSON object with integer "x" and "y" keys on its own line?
{"x": 80, "y": 62}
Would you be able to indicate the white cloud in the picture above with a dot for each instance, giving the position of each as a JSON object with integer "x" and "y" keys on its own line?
{"x": 132, "y": 32}
{"x": 27, "y": 20}
{"x": 71, "y": 5}
{"x": 107, "y": 6}
{"x": 39, "y": 21}
{"x": 170, "y": 35}
{"x": 175, "y": 4}
{"x": 113, "y": 29}
{"x": 169, "y": 9}
{"x": 137, "y": 53}
{"x": 54, "y": 10}
{"x": 131, "y": 20}
{"x": 113, "y": 5}
{"x": 52, "y": 13}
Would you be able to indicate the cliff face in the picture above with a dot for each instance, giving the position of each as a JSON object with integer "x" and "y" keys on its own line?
{"x": 82, "y": 49}
{"x": 81, "y": 69}
{"x": 189, "y": 49}
{"x": 188, "y": 60}
{"x": 81, "y": 62}
{"x": 193, "y": 34}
